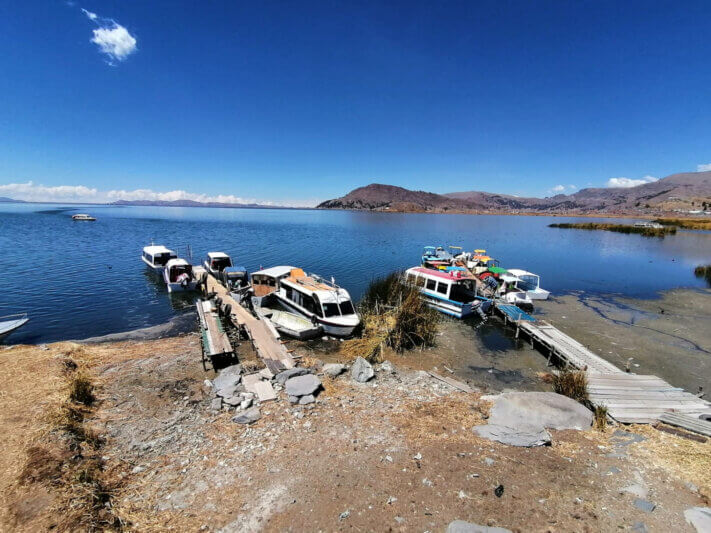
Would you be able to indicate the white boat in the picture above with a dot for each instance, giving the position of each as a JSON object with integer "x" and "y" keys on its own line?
{"x": 291, "y": 324}
{"x": 216, "y": 262}
{"x": 450, "y": 292}
{"x": 157, "y": 257}
{"x": 83, "y": 216}
{"x": 322, "y": 302}
{"x": 179, "y": 276}
{"x": 10, "y": 323}
{"x": 531, "y": 283}
{"x": 510, "y": 292}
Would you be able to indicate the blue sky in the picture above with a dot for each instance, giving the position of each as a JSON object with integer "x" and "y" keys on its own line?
{"x": 299, "y": 102}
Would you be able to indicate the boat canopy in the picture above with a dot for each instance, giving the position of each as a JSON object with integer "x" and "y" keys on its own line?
{"x": 497, "y": 270}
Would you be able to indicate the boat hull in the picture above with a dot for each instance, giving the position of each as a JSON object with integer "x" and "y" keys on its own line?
{"x": 456, "y": 309}
{"x": 180, "y": 287}
{"x": 538, "y": 294}
{"x": 329, "y": 328}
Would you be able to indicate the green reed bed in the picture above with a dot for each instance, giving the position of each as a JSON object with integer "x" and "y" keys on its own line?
{"x": 618, "y": 228}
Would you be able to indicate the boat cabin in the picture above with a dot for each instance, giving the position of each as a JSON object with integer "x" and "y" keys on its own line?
{"x": 234, "y": 277}
{"x": 531, "y": 283}
{"x": 157, "y": 256}
{"x": 217, "y": 261}
{"x": 83, "y": 216}
{"x": 178, "y": 269}
{"x": 453, "y": 292}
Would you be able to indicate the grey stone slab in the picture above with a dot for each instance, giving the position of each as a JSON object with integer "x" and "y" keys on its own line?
{"x": 460, "y": 526}
{"x": 639, "y": 527}
{"x": 699, "y": 518}
{"x": 233, "y": 400}
{"x": 333, "y": 369}
{"x": 216, "y": 404}
{"x": 248, "y": 416}
{"x": 637, "y": 489}
{"x": 644, "y": 505}
{"x": 302, "y": 385}
{"x": 293, "y": 399}
{"x": 305, "y": 400}
{"x": 524, "y": 437}
{"x": 282, "y": 377}
{"x": 362, "y": 370}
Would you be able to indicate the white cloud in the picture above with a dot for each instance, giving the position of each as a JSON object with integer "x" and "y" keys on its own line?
{"x": 626, "y": 183}
{"x": 32, "y": 192}
{"x": 92, "y": 16}
{"x": 112, "y": 39}
{"x": 703, "y": 168}
{"x": 559, "y": 189}
{"x": 115, "y": 41}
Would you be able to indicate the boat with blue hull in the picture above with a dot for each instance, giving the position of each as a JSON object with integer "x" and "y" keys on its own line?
{"x": 452, "y": 292}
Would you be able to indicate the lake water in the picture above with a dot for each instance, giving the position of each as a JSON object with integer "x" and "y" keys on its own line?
{"x": 83, "y": 279}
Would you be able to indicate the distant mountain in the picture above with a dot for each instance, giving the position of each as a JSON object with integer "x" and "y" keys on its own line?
{"x": 6, "y": 200}
{"x": 686, "y": 191}
{"x": 192, "y": 203}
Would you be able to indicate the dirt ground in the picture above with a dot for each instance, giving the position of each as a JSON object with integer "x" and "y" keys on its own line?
{"x": 396, "y": 454}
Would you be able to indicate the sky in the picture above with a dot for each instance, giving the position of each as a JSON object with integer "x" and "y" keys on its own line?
{"x": 293, "y": 103}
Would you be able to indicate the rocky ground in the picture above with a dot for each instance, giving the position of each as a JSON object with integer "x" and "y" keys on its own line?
{"x": 395, "y": 453}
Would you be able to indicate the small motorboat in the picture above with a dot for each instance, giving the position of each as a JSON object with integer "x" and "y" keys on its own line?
{"x": 454, "y": 292}
{"x": 292, "y": 324}
{"x": 157, "y": 257}
{"x": 10, "y": 323}
{"x": 511, "y": 293}
{"x": 83, "y": 216}
{"x": 320, "y": 301}
{"x": 179, "y": 276}
{"x": 531, "y": 283}
{"x": 216, "y": 262}
{"x": 236, "y": 280}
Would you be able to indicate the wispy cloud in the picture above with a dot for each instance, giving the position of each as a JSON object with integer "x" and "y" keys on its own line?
{"x": 560, "y": 189}
{"x": 626, "y": 183}
{"x": 113, "y": 39}
{"x": 33, "y": 192}
{"x": 703, "y": 168}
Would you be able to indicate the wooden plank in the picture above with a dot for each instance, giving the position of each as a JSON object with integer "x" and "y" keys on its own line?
{"x": 459, "y": 385}
{"x": 687, "y": 422}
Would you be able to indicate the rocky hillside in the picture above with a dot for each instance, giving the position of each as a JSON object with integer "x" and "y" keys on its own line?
{"x": 687, "y": 191}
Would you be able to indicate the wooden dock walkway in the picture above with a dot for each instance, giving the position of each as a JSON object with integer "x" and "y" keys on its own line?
{"x": 264, "y": 336}
{"x": 629, "y": 398}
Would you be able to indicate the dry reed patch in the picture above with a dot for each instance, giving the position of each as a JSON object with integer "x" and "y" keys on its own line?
{"x": 573, "y": 384}
{"x": 450, "y": 418}
{"x": 682, "y": 458}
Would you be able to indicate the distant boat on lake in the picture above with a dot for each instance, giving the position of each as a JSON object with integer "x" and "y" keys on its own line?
{"x": 84, "y": 217}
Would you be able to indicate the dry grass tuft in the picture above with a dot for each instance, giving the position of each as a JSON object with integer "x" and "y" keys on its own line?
{"x": 600, "y": 420}
{"x": 573, "y": 384}
{"x": 446, "y": 419}
{"x": 81, "y": 390}
{"x": 393, "y": 315}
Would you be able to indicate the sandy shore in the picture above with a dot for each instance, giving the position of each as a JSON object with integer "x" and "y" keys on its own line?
{"x": 397, "y": 453}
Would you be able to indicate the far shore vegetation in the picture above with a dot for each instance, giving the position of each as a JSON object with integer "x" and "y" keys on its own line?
{"x": 619, "y": 228}
{"x": 686, "y": 223}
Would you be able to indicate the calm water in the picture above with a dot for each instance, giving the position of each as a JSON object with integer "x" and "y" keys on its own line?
{"x": 82, "y": 279}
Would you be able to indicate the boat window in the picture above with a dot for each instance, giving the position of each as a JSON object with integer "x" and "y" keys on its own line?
{"x": 347, "y": 308}
{"x": 161, "y": 259}
{"x": 420, "y": 282}
{"x": 289, "y": 293}
{"x": 442, "y": 288}
{"x": 411, "y": 278}
{"x": 330, "y": 310}
{"x": 308, "y": 303}
{"x": 431, "y": 284}
{"x": 221, "y": 262}
{"x": 271, "y": 282}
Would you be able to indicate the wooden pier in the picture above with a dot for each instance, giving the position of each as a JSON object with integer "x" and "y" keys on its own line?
{"x": 265, "y": 338}
{"x": 629, "y": 398}
{"x": 216, "y": 346}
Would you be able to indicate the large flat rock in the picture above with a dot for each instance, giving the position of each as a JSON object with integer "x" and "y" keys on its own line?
{"x": 539, "y": 410}
{"x": 514, "y": 436}
{"x": 302, "y": 385}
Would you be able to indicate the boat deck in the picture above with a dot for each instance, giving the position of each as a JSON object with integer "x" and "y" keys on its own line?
{"x": 629, "y": 398}
{"x": 264, "y": 336}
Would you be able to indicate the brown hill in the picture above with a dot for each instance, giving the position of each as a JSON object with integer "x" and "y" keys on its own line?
{"x": 685, "y": 191}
